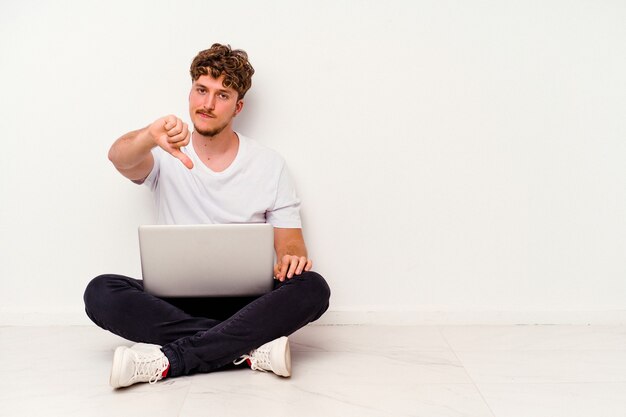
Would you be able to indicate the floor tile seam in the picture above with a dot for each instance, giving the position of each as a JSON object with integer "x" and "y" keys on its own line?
{"x": 406, "y": 384}
{"x": 316, "y": 393}
{"x": 418, "y": 350}
{"x": 459, "y": 354}
{"x": 614, "y": 350}
{"x": 554, "y": 383}
{"x": 570, "y": 326}
{"x": 465, "y": 370}
{"x": 184, "y": 401}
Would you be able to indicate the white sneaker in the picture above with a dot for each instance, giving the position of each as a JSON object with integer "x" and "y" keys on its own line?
{"x": 140, "y": 363}
{"x": 274, "y": 356}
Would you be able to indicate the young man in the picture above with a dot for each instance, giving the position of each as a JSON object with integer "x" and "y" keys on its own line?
{"x": 212, "y": 175}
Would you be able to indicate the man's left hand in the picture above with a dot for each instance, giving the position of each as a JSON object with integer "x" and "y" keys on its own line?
{"x": 290, "y": 265}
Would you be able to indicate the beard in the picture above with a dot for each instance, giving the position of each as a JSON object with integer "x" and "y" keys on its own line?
{"x": 209, "y": 133}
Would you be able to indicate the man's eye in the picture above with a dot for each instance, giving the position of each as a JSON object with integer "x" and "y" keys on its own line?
{"x": 224, "y": 96}
{"x": 201, "y": 90}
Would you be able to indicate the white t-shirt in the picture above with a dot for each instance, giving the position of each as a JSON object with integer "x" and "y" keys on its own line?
{"x": 255, "y": 188}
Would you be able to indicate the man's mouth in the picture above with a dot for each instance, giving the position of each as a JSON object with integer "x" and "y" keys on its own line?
{"x": 204, "y": 114}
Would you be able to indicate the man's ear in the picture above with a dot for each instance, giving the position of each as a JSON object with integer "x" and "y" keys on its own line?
{"x": 238, "y": 107}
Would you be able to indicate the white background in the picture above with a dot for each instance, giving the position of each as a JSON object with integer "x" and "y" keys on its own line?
{"x": 457, "y": 160}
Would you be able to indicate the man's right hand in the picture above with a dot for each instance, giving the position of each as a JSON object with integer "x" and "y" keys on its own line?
{"x": 171, "y": 134}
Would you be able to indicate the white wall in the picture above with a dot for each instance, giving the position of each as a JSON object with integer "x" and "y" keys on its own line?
{"x": 457, "y": 160}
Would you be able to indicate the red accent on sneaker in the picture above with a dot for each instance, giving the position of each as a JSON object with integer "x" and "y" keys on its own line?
{"x": 164, "y": 374}
{"x": 249, "y": 362}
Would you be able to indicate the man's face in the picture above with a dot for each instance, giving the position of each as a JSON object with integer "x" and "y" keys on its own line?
{"x": 212, "y": 106}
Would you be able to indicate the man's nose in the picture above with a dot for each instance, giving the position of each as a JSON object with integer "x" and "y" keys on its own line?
{"x": 209, "y": 102}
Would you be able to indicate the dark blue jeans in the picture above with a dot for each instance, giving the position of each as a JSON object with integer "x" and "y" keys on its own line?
{"x": 204, "y": 334}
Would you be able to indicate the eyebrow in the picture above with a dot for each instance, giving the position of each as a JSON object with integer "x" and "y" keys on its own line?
{"x": 221, "y": 90}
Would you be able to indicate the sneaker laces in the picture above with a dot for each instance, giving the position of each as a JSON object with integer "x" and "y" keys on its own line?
{"x": 259, "y": 360}
{"x": 150, "y": 367}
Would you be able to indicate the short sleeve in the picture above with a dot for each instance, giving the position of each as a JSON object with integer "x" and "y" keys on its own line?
{"x": 286, "y": 209}
{"x": 153, "y": 177}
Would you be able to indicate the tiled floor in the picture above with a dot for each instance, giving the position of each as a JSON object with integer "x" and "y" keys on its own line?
{"x": 494, "y": 371}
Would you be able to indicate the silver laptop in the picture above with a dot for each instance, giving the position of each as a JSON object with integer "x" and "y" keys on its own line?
{"x": 207, "y": 260}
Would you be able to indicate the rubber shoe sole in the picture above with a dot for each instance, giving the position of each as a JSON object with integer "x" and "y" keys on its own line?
{"x": 118, "y": 364}
{"x": 281, "y": 357}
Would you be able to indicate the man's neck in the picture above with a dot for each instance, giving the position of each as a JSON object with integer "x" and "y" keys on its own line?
{"x": 214, "y": 146}
{"x": 216, "y": 152}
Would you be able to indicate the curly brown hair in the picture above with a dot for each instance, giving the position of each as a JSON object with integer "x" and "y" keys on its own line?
{"x": 221, "y": 59}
